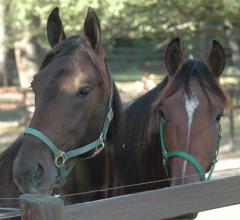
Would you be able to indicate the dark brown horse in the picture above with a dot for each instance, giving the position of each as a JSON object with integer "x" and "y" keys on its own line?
{"x": 74, "y": 96}
{"x": 182, "y": 114}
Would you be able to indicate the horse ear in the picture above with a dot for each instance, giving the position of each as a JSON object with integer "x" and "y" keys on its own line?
{"x": 92, "y": 29}
{"x": 173, "y": 56}
{"x": 216, "y": 59}
{"x": 55, "y": 32}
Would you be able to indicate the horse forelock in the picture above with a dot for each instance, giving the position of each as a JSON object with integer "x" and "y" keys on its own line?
{"x": 197, "y": 70}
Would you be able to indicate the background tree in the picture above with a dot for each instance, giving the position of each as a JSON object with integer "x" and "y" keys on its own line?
{"x": 23, "y": 26}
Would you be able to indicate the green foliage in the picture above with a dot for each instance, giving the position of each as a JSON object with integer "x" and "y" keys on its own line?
{"x": 154, "y": 19}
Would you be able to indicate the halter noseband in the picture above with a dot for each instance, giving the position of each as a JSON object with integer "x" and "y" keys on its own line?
{"x": 168, "y": 154}
{"x": 61, "y": 157}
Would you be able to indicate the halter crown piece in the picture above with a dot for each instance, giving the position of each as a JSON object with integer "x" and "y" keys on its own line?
{"x": 61, "y": 157}
{"x": 168, "y": 154}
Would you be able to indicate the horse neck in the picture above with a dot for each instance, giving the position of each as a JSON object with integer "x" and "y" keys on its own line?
{"x": 7, "y": 185}
{"x": 140, "y": 158}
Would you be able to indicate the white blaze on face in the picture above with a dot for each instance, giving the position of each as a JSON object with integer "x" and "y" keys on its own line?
{"x": 191, "y": 105}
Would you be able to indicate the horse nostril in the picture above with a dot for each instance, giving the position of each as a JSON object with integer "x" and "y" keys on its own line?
{"x": 28, "y": 176}
{"x": 37, "y": 172}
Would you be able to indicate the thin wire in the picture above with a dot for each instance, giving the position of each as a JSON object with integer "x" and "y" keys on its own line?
{"x": 9, "y": 209}
{"x": 128, "y": 186}
{"x": 6, "y": 213}
{"x": 15, "y": 212}
{"x": 9, "y": 215}
{"x": 8, "y": 204}
{"x": 141, "y": 184}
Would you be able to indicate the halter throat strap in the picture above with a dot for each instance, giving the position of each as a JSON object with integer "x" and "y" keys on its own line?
{"x": 61, "y": 157}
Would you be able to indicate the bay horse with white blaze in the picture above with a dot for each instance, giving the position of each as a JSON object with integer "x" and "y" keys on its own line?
{"x": 172, "y": 133}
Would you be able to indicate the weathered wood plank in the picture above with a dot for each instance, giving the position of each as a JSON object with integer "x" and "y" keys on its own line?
{"x": 11, "y": 216}
{"x": 161, "y": 204}
{"x": 41, "y": 207}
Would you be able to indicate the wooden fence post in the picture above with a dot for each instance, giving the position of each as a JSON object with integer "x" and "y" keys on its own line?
{"x": 41, "y": 207}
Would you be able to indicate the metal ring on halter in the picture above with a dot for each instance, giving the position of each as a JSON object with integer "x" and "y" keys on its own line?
{"x": 99, "y": 150}
{"x": 60, "y": 159}
{"x": 110, "y": 114}
{"x": 102, "y": 139}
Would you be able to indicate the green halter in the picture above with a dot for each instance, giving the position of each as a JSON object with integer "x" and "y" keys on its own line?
{"x": 61, "y": 157}
{"x": 168, "y": 154}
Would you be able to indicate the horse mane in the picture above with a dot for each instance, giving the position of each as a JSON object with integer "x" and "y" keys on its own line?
{"x": 194, "y": 69}
{"x": 7, "y": 185}
{"x": 65, "y": 47}
{"x": 117, "y": 118}
{"x": 138, "y": 116}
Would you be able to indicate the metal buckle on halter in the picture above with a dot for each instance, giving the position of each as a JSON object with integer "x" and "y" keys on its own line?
{"x": 165, "y": 157}
{"x": 99, "y": 149}
{"x": 60, "y": 159}
{"x": 164, "y": 161}
{"x": 110, "y": 115}
{"x": 102, "y": 140}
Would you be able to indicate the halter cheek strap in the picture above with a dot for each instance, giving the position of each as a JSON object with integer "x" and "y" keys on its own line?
{"x": 168, "y": 154}
{"x": 61, "y": 157}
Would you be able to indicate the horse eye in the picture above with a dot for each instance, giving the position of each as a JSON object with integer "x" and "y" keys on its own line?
{"x": 84, "y": 91}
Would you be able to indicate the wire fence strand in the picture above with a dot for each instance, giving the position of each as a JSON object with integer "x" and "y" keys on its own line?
{"x": 143, "y": 183}
{"x": 125, "y": 186}
{"x": 9, "y": 204}
{"x": 9, "y": 199}
{"x": 10, "y": 215}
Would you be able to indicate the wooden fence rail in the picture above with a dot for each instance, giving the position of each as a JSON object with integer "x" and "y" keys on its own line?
{"x": 152, "y": 205}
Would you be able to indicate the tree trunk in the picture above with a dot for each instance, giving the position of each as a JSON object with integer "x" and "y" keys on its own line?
{"x": 235, "y": 55}
{"x": 3, "y": 75}
{"x": 25, "y": 60}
